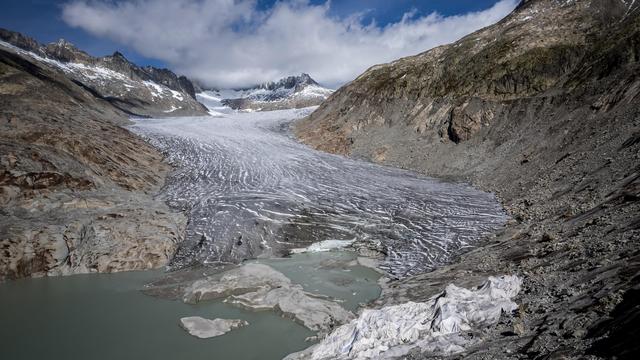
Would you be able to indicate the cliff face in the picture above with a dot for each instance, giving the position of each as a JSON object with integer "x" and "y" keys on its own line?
{"x": 75, "y": 187}
{"x": 540, "y": 108}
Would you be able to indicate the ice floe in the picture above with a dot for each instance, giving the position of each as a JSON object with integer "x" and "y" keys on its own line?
{"x": 325, "y": 245}
{"x": 205, "y": 328}
{"x": 260, "y": 287}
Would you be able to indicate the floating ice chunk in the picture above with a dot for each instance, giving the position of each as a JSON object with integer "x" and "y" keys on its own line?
{"x": 260, "y": 287}
{"x": 205, "y": 328}
{"x": 432, "y": 326}
{"x": 322, "y": 246}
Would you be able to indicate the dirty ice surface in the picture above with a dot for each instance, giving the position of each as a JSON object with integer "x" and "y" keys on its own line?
{"x": 432, "y": 326}
{"x": 251, "y": 190}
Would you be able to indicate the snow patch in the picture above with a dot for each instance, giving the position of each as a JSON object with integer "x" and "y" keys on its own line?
{"x": 176, "y": 95}
{"x": 173, "y": 108}
{"x": 314, "y": 91}
{"x": 212, "y": 100}
{"x": 156, "y": 90}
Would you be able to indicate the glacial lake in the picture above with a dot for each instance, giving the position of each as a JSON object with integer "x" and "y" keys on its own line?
{"x": 107, "y": 316}
{"x": 250, "y": 191}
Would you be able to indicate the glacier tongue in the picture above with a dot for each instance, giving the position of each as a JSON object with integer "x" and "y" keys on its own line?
{"x": 251, "y": 190}
{"x": 432, "y": 326}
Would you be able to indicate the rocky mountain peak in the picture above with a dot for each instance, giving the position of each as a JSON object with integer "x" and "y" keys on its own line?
{"x": 132, "y": 89}
{"x": 118, "y": 62}
{"x": 290, "y": 92}
{"x": 119, "y": 55}
{"x": 290, "y": 82}
{"x": 63, "y": 50}
{"x": 19, "y": 40}
{"x": 170, "y": 79}
{"x": 63, "y": 43}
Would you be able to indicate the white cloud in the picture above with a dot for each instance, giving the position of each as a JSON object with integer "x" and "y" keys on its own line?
{"x": 230, "y": 43}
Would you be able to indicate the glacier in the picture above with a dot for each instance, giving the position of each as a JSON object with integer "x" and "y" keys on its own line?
{"x": 251, "y": 190}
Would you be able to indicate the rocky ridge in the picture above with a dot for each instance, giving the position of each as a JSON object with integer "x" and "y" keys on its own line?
{"x": 138, "y": 91}
{"x": 76, "y": 188}
{"x": 292, "y": 92}
{"x": 540, "y": 108}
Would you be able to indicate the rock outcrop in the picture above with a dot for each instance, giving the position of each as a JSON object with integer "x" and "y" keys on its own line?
{"x": 138, "y": 91}
{"x": 76, "y": 188}
{"x": 540, "y": 108}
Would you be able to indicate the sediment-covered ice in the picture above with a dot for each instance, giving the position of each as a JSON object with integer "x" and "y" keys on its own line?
{"x": 260, "y": 287}
{"x": 433, "y": 326}
{"x": 251, "y": 190}
{"x": 205, "y": 328}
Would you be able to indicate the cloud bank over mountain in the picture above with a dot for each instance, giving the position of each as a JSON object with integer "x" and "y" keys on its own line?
{"x": 227, "y": 43}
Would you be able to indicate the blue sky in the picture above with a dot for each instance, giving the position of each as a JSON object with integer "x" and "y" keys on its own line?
{"x": 42, "y": 20}
{"x": 101, "y": 27}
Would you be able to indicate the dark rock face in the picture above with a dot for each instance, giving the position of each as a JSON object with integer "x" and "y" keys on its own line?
{"x": 21, "y": 41}
{"x": 540, "y": 108}
{"x": 622, "y": 327}
{"x": 75, "y": 187}
{"x": 169, "y": 79}
{"x": 64, "y": 51}
{"x": 117, "y": 62}
{"x": 138, "y": 91}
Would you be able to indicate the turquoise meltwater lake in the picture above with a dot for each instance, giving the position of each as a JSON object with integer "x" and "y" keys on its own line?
{"x": 107, "y": 316}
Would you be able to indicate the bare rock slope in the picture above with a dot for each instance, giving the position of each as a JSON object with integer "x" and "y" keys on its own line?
{"x": 75, "y": 187}
{"x": 541, "y": 108}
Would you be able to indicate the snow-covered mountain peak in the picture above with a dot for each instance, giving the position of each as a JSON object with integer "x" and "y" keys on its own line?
{"x": 64, "y": 43}
{"x": 291, "y": 82}
{"x": 290, "y": 92}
